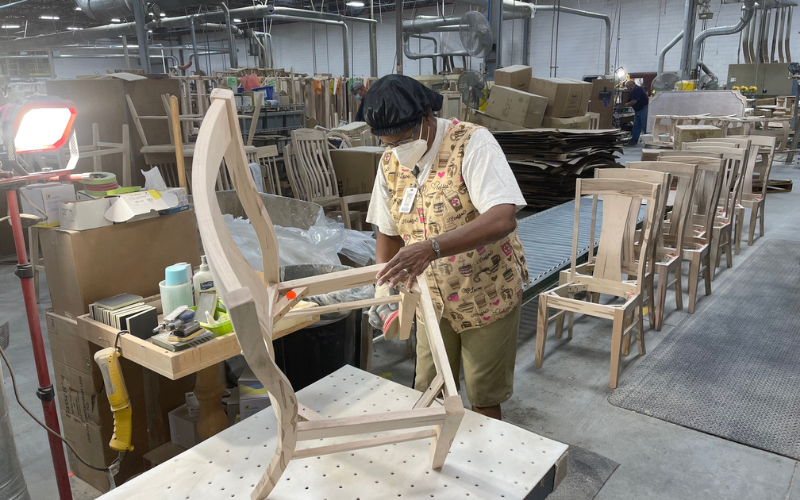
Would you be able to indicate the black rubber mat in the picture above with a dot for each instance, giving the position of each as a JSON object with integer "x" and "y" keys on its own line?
{"x": 587, "y": 472}
{"x": 731, "y": 369}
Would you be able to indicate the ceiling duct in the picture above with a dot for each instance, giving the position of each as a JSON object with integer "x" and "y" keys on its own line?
{"x": 106, "y": 10}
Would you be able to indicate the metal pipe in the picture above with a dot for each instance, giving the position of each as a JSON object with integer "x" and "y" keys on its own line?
{"x": 747, "y": 14}
{"x": 125, "y": 52}
{"x": 663, "y": 53}
{"x": 12, "y": 482}
{"x": 345, "y": 34}
{"x": 219, "y": 27}
{"x": 194, "y": 43}
{"x": 373, "y": 50}
{"x": 234, "y": 58}
{"x": 526, "y": 42}
{"x": 787, "y": 54}
{"x": 494, "y": 58}
{"x": 399, "y": 26}
{"x": 521, "y": 7}
{"x": 432, "y": 56}
{"x": 418, "y": 25}
{"x": 58, "y": 40}
{"x": 688, "y": 34}
{"x": 141, "y": 34}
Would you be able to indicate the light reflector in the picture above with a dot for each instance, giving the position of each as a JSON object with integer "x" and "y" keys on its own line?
{"x": 43, "y": 126}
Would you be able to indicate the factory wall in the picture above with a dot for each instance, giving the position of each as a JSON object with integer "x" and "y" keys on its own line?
{"x": 639, "y": 29}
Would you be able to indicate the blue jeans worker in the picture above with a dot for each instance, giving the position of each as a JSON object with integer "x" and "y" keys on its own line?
{"x": 638, "y": 101}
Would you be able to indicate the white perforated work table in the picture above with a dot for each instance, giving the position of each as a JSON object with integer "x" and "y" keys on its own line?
{"x": 489, "y": 458}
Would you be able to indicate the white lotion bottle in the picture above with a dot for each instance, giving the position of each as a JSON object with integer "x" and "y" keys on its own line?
{"x": 203, "y": 281}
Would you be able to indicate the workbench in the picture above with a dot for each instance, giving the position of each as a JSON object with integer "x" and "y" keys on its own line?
{"x": 488, "y": 459}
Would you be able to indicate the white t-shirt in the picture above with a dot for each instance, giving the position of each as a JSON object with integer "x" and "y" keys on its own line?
{"x": 486, "y": 172}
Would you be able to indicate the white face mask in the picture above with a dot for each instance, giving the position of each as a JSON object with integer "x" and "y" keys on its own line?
{"x": 410, "y": 153}
{"x": 358, "y": 97}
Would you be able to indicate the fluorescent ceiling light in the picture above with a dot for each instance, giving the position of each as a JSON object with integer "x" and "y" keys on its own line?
{"x": 355, "y": 4}
{"x": 78, "y": 8}
{"x": 53, "y": 18}
{"x": 10, "y": 26}
{"x": 237, "y": 20}
{"x": 74, "y": 28}
{"x": 163, "y": 15}
{"x": 115, "y": 20}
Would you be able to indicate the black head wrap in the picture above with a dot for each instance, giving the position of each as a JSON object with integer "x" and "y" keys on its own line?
{"x": 395, "y": 103}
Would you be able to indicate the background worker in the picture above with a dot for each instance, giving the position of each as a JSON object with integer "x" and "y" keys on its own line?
{"x": 359, "y": 90}
{"x": 638, "y": 101}
{"x": 444, "y": 202}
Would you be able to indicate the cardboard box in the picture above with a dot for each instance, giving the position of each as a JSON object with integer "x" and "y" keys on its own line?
{"x": 515, "y": 106}
{"x": 577, "y": 122}
{"x": 481, "y": 118}
{"x": 163, "y": 453}
{"x": 47, "y": 197}
{"x": 565, "y": 97}
{"x": 86, "y": 266}
{"x": 691, "y": 133}
{"x": 183, "y": 427}
{"x": 602, "y": 101}
{"x": 356, "y": 168}
{"x": 83, "y": 215}
{"x": 253, "y": 396}
{"x": 517, "y": 77}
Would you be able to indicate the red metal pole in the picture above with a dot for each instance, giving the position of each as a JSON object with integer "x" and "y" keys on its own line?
{"x": 46, "y": 393}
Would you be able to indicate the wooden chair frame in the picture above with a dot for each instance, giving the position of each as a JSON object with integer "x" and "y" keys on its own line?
{"x": 620, "y": 198}
{"x": 699, "y": 231}
{"x": 256, "y": 302}
{"x": 755, "y": 201}
{"x": 269, "y": 169}
{"x": 668, "y": 254}
{"x": 312, "y": 157}
{"x": 332, "y": 137}
{"x": 722, "y": 240}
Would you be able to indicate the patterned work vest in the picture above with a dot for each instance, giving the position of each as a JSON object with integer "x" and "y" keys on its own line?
{"x": 474, "y": 288}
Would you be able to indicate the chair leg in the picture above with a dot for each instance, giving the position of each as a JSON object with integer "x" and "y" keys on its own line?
{"x": 715, "y": 243}
{"x": 678, "y": 287}
{"x": 651, "y": 301}
{"x": 640, "y": 331}
{"x": 663, "y": 277}
{"x": 729, "y": 249}
{"x": 707, "y": 275}
{"x": 570, "y": 317}
{"x": 739, "y": 225}
{"x": 762, "y": 206}
{"x": 694, "y": 275}
{"x": 626, "y": 339}
{"x": 751, "y": 231}
{"x": 616, "y": 346}
{"x": 541, "y": 331}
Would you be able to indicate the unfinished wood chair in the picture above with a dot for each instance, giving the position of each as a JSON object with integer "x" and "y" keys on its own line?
{"x": 722, "y": 239}
{"x": 253, "y": 120}
{"x": 256, "y": 302}
{"x": 630, "y": 254}
{"x": 620, "y": 199}
{"x": 297, "y": 182}
{"x": 755, "y": 198}
{"x": 312, "y": 156}
{"x": 668, "y": 247}
{"x": 699, "y": 231}
{"x": 269, "y": 169}
{"x": 594, "y": 120}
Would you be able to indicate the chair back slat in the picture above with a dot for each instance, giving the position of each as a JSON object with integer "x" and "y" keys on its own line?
{"x": 269, "y": 168}
{"x": 687, "y": 176}
{"x": 706, "y": 191}
{"x": 312, "y": 155}
{"x": 766, "y": 149}
{"x": 734, "y": 162}
{"x": 620, "y": 197}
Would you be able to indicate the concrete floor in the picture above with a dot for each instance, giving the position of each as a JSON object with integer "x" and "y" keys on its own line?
{"x": 566, "y": 400}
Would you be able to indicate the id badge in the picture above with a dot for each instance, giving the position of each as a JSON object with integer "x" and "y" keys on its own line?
{"x": 408, "y": 200}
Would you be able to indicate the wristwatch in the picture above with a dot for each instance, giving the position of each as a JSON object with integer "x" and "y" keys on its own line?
{"x": 435, "y": 246}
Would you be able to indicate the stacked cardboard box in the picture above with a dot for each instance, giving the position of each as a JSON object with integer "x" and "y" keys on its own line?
{"x": 566, "y": 98}
{"x": 516, "y": 107}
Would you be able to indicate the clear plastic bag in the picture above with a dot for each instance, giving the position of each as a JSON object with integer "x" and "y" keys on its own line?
{"x": 153, "y": 179}
{"x": 337, "y": 297}
{"x": 320, "y": 244}
{"x": 359, "y": 246}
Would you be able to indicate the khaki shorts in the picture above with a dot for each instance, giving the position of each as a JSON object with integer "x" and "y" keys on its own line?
{"x": 488, "y": 355}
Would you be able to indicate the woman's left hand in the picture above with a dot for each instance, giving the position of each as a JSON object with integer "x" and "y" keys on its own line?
{"x": 410, "y": 262}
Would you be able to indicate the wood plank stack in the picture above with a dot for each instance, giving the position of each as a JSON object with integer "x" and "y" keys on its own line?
{"x": 546, "y": 162}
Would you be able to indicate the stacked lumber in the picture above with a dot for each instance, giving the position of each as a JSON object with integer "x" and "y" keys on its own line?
{"x": 546, "y": 162}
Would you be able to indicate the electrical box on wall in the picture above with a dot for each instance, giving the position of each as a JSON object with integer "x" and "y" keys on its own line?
{"x": 772, "y": 79}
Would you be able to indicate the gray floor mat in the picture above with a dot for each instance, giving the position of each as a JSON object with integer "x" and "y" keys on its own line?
{"x": 731, "y": 369}
{"x": 587, "y": 472}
